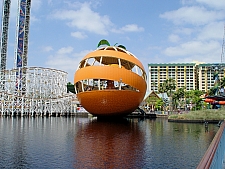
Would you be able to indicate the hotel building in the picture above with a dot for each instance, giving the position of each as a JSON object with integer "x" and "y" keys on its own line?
{"x": 206, "y": 75}
{"x": 192, "y": 76}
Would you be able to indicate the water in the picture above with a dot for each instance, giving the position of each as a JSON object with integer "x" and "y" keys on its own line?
{"x": 60, "y": 142}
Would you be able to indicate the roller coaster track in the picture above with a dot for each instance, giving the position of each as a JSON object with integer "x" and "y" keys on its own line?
{"x": 22, "y": 33}
{"x": 4, "y": 33}
{"x": 223, "y": 46}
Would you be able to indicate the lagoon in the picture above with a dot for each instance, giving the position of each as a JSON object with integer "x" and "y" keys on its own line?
{"x": 73, "y": 142}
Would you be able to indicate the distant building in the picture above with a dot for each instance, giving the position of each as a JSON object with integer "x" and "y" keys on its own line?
{"x": 150, "y": 101}
{"x": 183, "y": 73}
{"x": 206, "y": 73}
{"x": 192, "y": 76}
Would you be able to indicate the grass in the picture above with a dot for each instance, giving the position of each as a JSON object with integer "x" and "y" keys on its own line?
{"x": 209, "y": 114}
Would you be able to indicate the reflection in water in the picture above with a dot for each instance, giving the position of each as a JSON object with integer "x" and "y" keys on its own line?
{"x": 60, "y": 142}
{"x": 109, "y": 144}
{"x": 13, "y": 152}
{"x": 175, "y": 145}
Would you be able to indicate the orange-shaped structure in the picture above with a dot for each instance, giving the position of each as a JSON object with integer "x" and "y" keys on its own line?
{"x": 110, "y": 81}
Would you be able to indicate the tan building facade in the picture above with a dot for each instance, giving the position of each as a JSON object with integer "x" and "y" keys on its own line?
{"x": 206, "y": 74}
{"x": 192, "y": 76}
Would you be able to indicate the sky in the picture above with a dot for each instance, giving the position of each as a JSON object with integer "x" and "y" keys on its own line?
{"x": 62, "y": 32}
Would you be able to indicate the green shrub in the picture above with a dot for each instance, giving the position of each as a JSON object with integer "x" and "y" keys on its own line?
{"x": 210, "y": 114}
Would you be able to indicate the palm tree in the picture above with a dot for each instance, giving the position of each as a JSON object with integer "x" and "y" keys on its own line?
{"x": 212, "y": 91}
{"x": 178, "y": 96}
{"x": 170, "y": 85}
{"x": 195, "y": 98}
{"x": 159, "y": 104}
{"x": 222, "y": 85}
{"x": 222, "y": 82}
{"x": 162, "y": 88}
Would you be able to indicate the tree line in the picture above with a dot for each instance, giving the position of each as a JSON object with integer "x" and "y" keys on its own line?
{"x": 181, "y": 98}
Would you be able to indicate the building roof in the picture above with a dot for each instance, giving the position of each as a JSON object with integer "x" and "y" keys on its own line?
{"x": 163, "y": 95}
{"x": 160, "y": 95}
{"x": 171, "y": 64}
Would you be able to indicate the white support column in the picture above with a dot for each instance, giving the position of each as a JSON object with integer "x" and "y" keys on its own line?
{"x": 99, "y": 87}
{"x": 22, "y": 106}
{"x": 119, "y": 63}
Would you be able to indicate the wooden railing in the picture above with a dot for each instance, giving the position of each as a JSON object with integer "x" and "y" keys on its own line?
{"x": 214, "y": 156}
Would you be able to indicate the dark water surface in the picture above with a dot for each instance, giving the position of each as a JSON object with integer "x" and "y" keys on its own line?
{"x": 70, "y": 142}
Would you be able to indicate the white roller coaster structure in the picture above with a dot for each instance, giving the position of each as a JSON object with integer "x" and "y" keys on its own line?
{"x": 43, "y": 93}
{"x": 29, "y": 91}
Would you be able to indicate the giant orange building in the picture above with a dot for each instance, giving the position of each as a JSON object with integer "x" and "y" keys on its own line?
{"x": 110, "y": 81}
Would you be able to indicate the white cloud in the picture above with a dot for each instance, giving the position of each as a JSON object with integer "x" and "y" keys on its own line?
{"x": 200, "y": 29}
{"x": 173, "y": 38}
{"x": 154, "y": 48}
{"x": 219, "y": 4}
{"x": 187, "y": 2}
{"x": 186, "y": 31}
{"x": 85, "y": 19}
{"x": 65, "y": 50}
{"x": 33, "y": 19}
{"x": 193, "y": 48}
{"x": 214, "y": 30}
{"x": 193, "y": 15}
{"x": 79, "y": 35}
{"x": 49, "y": 1}
{"x": 128, "y": 28}
{"x": 36, "y": 4}
{"x": 132, "y": 28}
{"x": 64, "y": 59}
{"x": 213, "y": 57}
{"x": 47, "y": 48}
